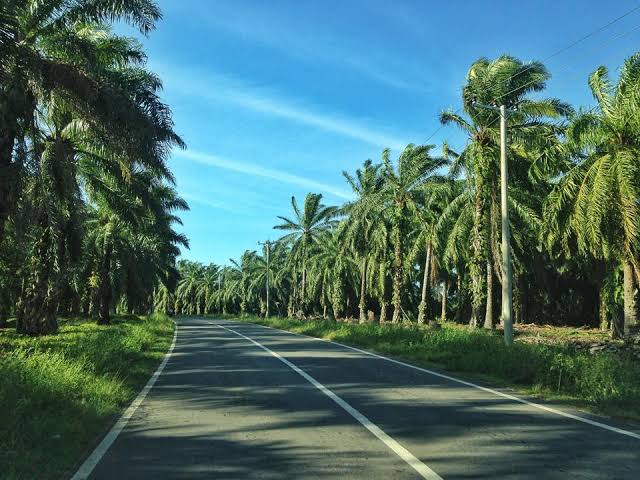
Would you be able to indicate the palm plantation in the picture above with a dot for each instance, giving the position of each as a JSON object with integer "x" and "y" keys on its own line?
{"x": 87, "y": 206}
{"x": 595, "y": 205}
{"x": 422, "y": 232}
{"x": 93, "y": 256}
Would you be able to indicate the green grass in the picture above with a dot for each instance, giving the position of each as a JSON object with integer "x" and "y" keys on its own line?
{"x": 60, "y": 392}
{"x": 606, "y": 383}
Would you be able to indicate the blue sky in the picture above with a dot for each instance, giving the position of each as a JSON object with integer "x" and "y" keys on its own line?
{"x": 276, "y": 98}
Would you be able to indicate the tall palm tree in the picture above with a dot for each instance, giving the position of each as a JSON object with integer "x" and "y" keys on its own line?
{"x": 362, "y": 218}
{"x": 47, "y": 48}
{"x": 596, "y": 201}
{"x": 532, "y": 143}
{"x": 207, "y": 286}
{"x": 435, "y": 194}
{"x": 75, "y": 155}
{"x": 306, "y": 226}
{"x": 333, "y": 263}
{"x": 186, "y": 294}
{"x": 401, "y": 190}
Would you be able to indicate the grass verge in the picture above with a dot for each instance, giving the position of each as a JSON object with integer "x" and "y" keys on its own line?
{"x": 60, "y": 392}
{"x": 606, "y": 383}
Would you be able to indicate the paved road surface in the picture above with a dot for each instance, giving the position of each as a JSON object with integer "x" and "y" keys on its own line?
{"x": 226, "y": 408}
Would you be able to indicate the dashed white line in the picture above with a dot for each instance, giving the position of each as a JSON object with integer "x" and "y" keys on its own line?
{"x": 406, "y": 455}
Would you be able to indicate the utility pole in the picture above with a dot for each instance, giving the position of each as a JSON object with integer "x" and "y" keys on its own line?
{"x": 220, "y": 291}
{"x": 507, "y": 282}
{"x": 507, "y": 287}
{"x": 268, "y": 245}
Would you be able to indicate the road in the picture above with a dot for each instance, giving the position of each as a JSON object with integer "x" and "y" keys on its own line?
{"x": 241, "y": 401}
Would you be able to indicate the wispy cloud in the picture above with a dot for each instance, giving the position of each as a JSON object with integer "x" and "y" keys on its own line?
{"x": 269, "y": 103}
{"x": 258, "y": 171}
{"x": 193, "y": 198}
{"x": 281, "y": 31}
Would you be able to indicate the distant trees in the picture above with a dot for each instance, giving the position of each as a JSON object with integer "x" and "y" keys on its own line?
{"x": 423, "y": 232}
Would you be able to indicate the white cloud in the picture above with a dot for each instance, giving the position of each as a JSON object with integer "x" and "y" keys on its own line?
{"x": 223, "y": 89}
{"x": 192, "y": 198}
{"x": 258, "y": 171}
{"x": 277, "y": 30}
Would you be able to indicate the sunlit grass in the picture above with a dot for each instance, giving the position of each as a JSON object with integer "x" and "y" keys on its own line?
{"x": 59, "y": 392}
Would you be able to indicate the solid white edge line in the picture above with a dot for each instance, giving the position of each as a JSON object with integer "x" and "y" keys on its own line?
{"x": 470, "y": 384}
{"x": 403, "y": 453}
{"x": 92, "y": 460}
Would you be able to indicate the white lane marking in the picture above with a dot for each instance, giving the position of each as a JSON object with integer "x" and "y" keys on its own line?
{"x": 406, "y": 455}
{"x": 470, "y": 384}
{"x": 92, "y": 460}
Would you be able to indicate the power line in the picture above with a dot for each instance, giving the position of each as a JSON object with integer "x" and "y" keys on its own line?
{"x": 556, "y": 53}
{"x": 628, "y": 32}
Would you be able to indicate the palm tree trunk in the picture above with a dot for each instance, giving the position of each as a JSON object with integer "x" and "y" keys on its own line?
{"x": 301, "y": 310}
{"x": 383, "y": 311}
{"x": 631, "y": 326}
{"x": 323, "y": 299}
{"x": 397, "y": 277}
{"x": 461, "y": 297}
{"x": 488, "y": 318}
{"x": 37, "y": 314}
{"x": 422, "y": 308}
{"x": 478, "y": 257}
{"x": 7, "y": 140}
{"x": 362, "y": 304}
{"x": 104, "y": 316}
{"x": 443, "y": 313}
{"x": 602, "y": 308}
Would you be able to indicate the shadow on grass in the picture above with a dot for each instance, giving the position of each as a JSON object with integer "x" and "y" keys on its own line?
{"x": 59, "y": 391}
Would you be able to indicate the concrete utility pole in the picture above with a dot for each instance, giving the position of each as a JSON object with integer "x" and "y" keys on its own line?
{"x": 507, "y": 282}
{"x": 507, "y": 287}
{"x": 268, "y": 245}
{"x": 219, "y": 292}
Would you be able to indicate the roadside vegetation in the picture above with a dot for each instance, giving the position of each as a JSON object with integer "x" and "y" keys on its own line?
{"x": 551, "y": 366}
{"x": 420, "y": 242}
{"x": 89, "y": 218}
{"x": 88, "y": 215}
{"x": 87, "y": 202}
{"x": 61, "y": 392}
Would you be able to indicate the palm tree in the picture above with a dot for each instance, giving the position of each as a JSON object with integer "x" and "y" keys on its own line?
{"x": 47, "y": 47}
{"x": 242, "y": 284}
{"x": 415, "y": 166}
{"x": 362, "y": 218}
{"x": 532, "y": 143}
{"x": 75, "y": 154}
{"x": 207, "y": 286}
{"x": 596, "y": 201}
{"x": 305, "y": 228}
{"x": 186, "y": 294}
{"x": 125, "y": 227}
{"x": 334, "y": 265}
{"x": 434, "y": 197}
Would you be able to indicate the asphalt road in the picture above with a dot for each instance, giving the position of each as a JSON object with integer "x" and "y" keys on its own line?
{"x": 224, "y": 407}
